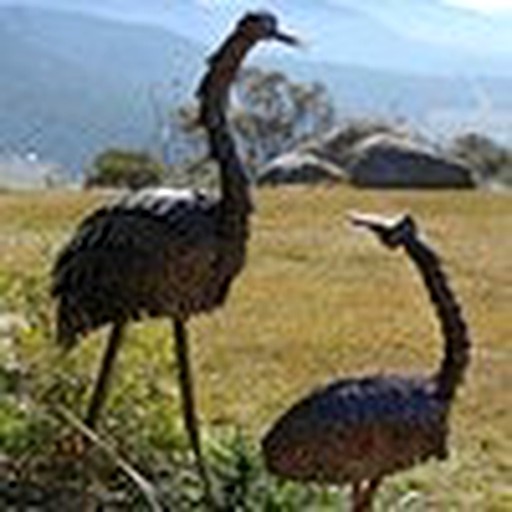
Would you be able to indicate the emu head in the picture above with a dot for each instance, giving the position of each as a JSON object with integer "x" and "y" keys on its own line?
{"x": 392, "y": 232}
{"x": 260, "y": 25}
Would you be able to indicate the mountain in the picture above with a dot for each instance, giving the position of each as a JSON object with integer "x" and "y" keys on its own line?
{"x": 72, "y": 84}
{"x": 420, "y": 36}
{"x": 482, "y": 33}
{"x": 438, "y": 106}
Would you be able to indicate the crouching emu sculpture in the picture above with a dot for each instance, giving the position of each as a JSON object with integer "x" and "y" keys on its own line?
{"x": 358, "y": 430}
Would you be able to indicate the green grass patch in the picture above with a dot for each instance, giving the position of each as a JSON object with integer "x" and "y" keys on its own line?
{"x": 317, "y": 300}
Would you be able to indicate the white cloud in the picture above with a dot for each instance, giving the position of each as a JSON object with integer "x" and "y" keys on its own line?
{"x": 210, "y": 4}
{"x": 484, "y": 5}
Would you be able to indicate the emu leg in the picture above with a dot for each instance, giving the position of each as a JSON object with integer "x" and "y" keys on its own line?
{"x": 356, "y": 497}
{"x": 188, "y": 406}
{"x": 103, "y": 380}
{"x": 362, "y": 495}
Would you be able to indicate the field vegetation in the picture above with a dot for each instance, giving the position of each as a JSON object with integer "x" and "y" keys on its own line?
{"x": 318, "y": 300}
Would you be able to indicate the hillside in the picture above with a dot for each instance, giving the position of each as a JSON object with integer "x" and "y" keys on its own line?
{"x": 430, "y": 36}
{"x": 72, "y": 83}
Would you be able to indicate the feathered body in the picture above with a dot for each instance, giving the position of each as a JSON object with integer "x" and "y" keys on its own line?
{"x": 163, "y": 252}
{"x": 156, "y": 252}
{"x": 358, "y": 430}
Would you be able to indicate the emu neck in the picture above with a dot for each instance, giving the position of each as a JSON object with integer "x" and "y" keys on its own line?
{"x": 453, "y": 326}
{"x": 213, "y": 94}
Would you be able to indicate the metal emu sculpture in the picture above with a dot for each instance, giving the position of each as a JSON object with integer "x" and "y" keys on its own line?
{"x": 163, "y": 252}
{"x": 358, "y": 430}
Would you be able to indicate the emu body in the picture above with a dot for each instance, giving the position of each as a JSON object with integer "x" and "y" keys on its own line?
{"x": 162, "y": 252}
{"x": 153, "y": 253}
{"x": 359, "y": 430}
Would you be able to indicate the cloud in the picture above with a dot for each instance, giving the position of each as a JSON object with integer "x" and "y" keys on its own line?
{"x": 212, "y": 4}
{"x": 483, "y": 5}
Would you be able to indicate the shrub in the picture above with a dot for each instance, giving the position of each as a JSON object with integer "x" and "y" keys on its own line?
{"x": 491, "y": 161}
{"x": 125, "y": 168}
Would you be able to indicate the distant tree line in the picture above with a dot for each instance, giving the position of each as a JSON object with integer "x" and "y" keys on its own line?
{"x": 117, "y": 167}
{"x": 271, "y": 114}
{"x": 491, "y": 161}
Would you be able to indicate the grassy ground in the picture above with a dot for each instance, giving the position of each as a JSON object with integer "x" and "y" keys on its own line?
{"x": 317, "y": 300}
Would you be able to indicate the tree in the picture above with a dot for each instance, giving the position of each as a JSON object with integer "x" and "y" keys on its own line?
{"x": 271, "y": 115}
{"x": 116, "y": 167}
{"x": 491, "y": 161}
{"x": 275, "y": 114}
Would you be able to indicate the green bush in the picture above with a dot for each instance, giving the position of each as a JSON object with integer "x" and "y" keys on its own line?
{"x": 38, "y": 463}
{"x": 125, "y": 168}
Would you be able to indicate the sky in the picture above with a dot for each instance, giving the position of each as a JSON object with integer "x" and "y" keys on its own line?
{"x": 480, "y": 27}
{"x": 486, "y": 6}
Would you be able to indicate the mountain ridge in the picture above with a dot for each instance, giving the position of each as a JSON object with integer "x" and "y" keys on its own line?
{"x": 408, "y": 35}
{"x": 88, "y": 85}
{"x": 72, "y": 84}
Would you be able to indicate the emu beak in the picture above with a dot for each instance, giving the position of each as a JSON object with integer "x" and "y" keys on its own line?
{"x": 390, "y": 230}
{"x": 285, "y": 38}
{"x": 377, "y": 224}
{"x": 371, "y": 221}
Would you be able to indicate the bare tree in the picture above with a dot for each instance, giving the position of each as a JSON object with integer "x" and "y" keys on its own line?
{"x": 271, "y": 115}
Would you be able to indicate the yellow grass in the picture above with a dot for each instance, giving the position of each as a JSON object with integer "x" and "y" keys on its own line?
{"x": 320, "y": 300}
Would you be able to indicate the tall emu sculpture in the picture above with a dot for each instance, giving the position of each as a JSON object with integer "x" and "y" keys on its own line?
{"x": 163, "y": 252}
{"x": 358, "y": 430}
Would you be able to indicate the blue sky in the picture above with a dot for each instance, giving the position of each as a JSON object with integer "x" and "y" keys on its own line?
{"x": 483, "y": 26}
{"x": 483, "y": 6}
{"x": 486, "y": 6}
{"x": 472, "y": 29}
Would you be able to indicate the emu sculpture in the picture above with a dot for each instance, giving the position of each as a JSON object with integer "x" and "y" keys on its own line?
{"x": 358, "y": 430}
{"x": 164, "y": 252}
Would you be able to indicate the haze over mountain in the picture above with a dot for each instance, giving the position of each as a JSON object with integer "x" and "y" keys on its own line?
{"x": 80, "y": 76}
{"x": 408, "y": 35}
{"x": 71, "y": 84}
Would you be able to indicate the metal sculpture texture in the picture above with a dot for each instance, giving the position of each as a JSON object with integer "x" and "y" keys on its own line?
{"x": 358, "y": 430}
{"x": 164, "y": 252}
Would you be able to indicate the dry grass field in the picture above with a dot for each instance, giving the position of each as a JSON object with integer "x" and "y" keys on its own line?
{"x": 319, "y": 300}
